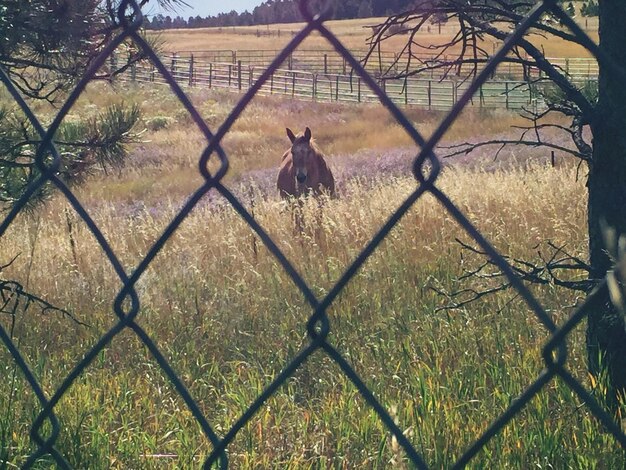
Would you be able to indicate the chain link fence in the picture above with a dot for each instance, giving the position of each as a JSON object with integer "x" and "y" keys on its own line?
{"x": 426, "y": 169}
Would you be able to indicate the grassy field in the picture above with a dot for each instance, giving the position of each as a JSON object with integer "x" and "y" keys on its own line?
{"x": 228, "y": 318}
{"x": 354, "y": 34}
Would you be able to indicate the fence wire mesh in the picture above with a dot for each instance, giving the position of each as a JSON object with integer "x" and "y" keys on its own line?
{"x": 426, "y": 169}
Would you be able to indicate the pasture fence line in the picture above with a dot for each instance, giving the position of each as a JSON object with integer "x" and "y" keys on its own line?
{"x": 127, "y": 306}
{"x": 433, "y": 94}
{"x": 382, "y": 63}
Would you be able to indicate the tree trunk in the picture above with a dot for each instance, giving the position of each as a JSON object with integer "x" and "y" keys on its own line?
{"x": 606, "y": 333}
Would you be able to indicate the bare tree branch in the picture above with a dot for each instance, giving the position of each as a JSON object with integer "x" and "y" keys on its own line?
{"x": 13, "y": 297}
{"x": 557, "y": 267}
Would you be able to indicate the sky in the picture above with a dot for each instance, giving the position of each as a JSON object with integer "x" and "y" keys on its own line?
{"x": 204, "y": 7}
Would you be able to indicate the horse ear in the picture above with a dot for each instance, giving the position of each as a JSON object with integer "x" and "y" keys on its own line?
{"x": 307, "y": 134}
{"x": 291, "y": 135}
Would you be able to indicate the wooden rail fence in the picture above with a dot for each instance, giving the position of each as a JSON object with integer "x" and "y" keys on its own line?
{"x": 430, "y": 93}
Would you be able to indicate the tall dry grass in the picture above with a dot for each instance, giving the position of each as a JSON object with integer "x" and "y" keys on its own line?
{"x": 228, "y": 318}
{"x": 354, "y": 34}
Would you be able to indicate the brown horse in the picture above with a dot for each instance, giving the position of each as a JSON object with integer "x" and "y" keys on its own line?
{"x": 303, "y": 169}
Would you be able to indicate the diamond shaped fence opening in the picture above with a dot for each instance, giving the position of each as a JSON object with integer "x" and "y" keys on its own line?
{"x": 426, "y": 170}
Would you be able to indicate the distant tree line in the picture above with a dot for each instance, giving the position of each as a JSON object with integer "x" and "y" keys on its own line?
{"x": 281, "y": 11}
{"x": 286, "y": 11}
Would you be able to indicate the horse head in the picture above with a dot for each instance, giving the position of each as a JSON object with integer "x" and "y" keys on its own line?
{"x": 303, "y": 154}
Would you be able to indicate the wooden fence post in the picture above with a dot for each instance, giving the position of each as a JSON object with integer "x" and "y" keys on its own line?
{"x": 191, "y": 70}
{"x": 406, "y": 91}
{"x": 358, "y": 85}
{"x": 173, "y": 65}
{"x": 239, "y": 74}
{"x": 481, "y": 96}
{"x": 337, "y": 89}
{"x": 506, "y": 93}
{"x": 330, "y": 89}
{"x": 210, "y": 74}
{"x": 326, "y": 64}
{"x": 452, "y": 92}
{"x": 430, "y": 95}
{"x": 314, "y": 90}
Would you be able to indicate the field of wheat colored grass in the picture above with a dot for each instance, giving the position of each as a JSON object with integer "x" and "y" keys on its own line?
{"x": 228, "y": 318}
{"x": 354, "y": 34}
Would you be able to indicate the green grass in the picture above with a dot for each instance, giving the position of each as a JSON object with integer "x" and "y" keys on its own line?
{"x": 228, "y": 318}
